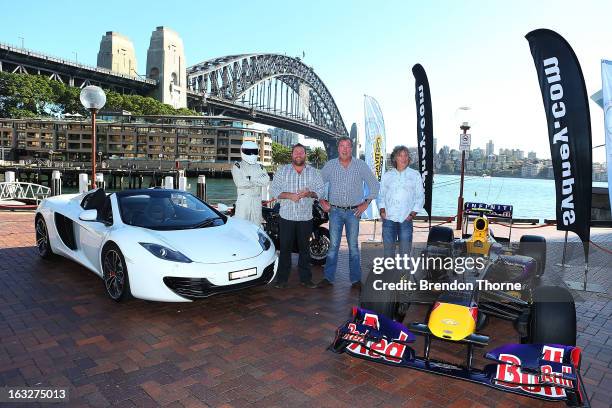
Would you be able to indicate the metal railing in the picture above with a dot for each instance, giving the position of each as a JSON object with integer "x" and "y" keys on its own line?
{"x": 23, "y": 191}
{"x": 75, "y": 64}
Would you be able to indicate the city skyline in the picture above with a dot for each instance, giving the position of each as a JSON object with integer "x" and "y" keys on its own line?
{"x": 474, "y": 53}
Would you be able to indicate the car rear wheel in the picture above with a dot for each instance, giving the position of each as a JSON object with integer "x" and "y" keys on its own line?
{"x": 382, "y": 302}
{"x": 319, "y": 246}
{"x": 553, "y": 317}
{"x": 115, "y": 273}
{"x": 42, "y": 238}
{"x": 534, "y": 246}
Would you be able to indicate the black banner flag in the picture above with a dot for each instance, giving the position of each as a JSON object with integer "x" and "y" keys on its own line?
{"x": 569, "y": 129}
{"x": 424, "y": 132}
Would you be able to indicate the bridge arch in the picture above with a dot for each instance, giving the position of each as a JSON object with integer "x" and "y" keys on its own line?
{"x": 268, "y": 88}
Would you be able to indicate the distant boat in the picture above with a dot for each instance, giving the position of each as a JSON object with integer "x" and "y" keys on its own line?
{"x": 486, "y": 176}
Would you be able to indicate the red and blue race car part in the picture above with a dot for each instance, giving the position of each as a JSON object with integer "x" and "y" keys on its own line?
{"x": 544, "y": 371}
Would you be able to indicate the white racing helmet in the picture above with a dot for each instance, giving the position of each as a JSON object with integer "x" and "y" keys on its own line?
{"x": 249, "y": 151}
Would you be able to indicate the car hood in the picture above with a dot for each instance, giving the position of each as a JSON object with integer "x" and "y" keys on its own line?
{"x": 226, "y": 243}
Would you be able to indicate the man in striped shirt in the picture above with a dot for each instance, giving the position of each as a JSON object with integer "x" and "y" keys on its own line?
{"x": 345, "y": 202}
{"x": 296, "y": 186}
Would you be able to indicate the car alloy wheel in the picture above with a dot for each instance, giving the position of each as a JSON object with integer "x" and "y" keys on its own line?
{"x": 42, "y": 238}
{"x": 115, "y": 273}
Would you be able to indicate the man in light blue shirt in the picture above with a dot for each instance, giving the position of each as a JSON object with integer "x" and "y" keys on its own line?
{"x": 346, "y": 176}
{"x": 401, "y": 197}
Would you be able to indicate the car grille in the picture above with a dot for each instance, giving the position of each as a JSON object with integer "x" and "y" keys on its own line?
{"x": 196, "y": 288}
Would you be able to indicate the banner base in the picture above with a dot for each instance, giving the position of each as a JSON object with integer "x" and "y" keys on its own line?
{"x": 562, "y": 265}
{"x": 589, "y": 287}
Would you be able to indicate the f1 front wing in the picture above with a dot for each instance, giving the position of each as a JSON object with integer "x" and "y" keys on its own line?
{"x": 544, "y": 371}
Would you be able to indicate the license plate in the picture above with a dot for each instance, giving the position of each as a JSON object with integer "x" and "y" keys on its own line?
{"x": 245, "y": 273}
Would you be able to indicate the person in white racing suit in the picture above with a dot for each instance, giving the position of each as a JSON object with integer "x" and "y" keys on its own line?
{"x": 249, "y": 177}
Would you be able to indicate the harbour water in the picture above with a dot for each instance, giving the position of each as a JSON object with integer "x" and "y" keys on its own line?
{"x": 531, "y": 198}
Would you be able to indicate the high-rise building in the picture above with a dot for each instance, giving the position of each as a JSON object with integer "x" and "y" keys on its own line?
{"x": 354, "y": 135}
{"x": 490, "y": 148}
{"x": 283, "y": 136}
{"x": 531, "y": 155}
{"x": 477, "y": 154}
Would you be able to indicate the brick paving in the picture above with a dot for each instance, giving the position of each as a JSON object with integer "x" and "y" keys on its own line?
{"x": 257, "y": 348}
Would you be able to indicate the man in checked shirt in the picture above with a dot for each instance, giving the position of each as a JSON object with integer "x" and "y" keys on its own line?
{"x": 346, "y": 176}
{"x": 296, "y": 186}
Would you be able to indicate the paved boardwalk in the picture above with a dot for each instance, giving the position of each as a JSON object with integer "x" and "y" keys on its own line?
{"x": 257, "y": 348}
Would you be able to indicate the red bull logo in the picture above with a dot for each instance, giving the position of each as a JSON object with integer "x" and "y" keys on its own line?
{"x": 511, "y": 373}
{"x": 385, "y": 349}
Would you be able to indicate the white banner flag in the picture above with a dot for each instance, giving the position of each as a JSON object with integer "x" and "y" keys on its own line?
{"x": 375, "y": 152}
{"x": 606, "y": 78}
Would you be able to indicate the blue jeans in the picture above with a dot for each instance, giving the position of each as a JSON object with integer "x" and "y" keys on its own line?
{"x": 394, "y": 232}
{"x": 339, "y": 218}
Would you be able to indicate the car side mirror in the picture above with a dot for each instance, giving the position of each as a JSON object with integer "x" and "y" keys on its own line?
{"x": 89, "y": 215}
{"x": 222, "y": 208}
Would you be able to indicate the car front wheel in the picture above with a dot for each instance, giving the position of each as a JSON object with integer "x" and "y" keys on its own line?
{"x": 553, "y": 317}
{"x": 42, "y": 238}
{"x": 115, "y": 273}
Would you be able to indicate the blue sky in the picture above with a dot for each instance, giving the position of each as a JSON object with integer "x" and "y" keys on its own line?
{"x": 474, "y": 52}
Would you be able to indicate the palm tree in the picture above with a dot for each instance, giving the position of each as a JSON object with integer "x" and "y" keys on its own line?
{"x": 317, "y": 156}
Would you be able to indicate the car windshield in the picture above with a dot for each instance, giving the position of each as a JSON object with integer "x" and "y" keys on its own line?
{"x": 166, "y": 210}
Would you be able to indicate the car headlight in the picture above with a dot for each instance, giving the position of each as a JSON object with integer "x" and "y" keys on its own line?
{"x": 167, "y": 254}
{"x": 264, "y": 241}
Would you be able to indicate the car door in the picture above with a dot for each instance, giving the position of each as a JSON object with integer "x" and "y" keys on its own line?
{"x": 92, "y": 235}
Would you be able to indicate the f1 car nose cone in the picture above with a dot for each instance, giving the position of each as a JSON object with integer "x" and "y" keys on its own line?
{"x": 451, "y": 322}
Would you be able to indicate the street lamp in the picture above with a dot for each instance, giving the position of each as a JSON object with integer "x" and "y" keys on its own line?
{"x": 464, "y": 117}
{"x": 160, "y": 160}
{"x": 93, "y": 99}
{"x": 51, "y": 156}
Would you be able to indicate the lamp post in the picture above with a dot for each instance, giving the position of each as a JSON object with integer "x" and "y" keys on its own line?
{"x": 93, "y": 98}
{"x": 51, "y": 156}
{"x": 160, "y": 160}
{"x": 464, "y": 116}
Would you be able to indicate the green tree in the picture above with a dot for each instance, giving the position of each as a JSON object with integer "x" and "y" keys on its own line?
{"x": 27, "y": 95}
{"x": 280, "y": 154}
{"x": 23, "y": 95}
{"x": 317, "y": 156}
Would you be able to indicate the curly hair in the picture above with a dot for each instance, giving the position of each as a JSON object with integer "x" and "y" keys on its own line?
{"x": 396, "y": 151}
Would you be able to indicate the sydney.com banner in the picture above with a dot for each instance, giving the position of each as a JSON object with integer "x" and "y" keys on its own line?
{"x": 375, "y": 154}
{"x": 569, "y": 129}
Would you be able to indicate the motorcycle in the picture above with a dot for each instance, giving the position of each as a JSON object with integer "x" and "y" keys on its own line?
{"x": 319, "y": 242}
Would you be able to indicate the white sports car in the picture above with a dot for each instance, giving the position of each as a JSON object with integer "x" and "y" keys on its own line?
{"x": 154, "y": 244}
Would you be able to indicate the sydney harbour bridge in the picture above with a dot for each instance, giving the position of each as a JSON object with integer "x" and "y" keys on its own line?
{"x": 270, "y": 89}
